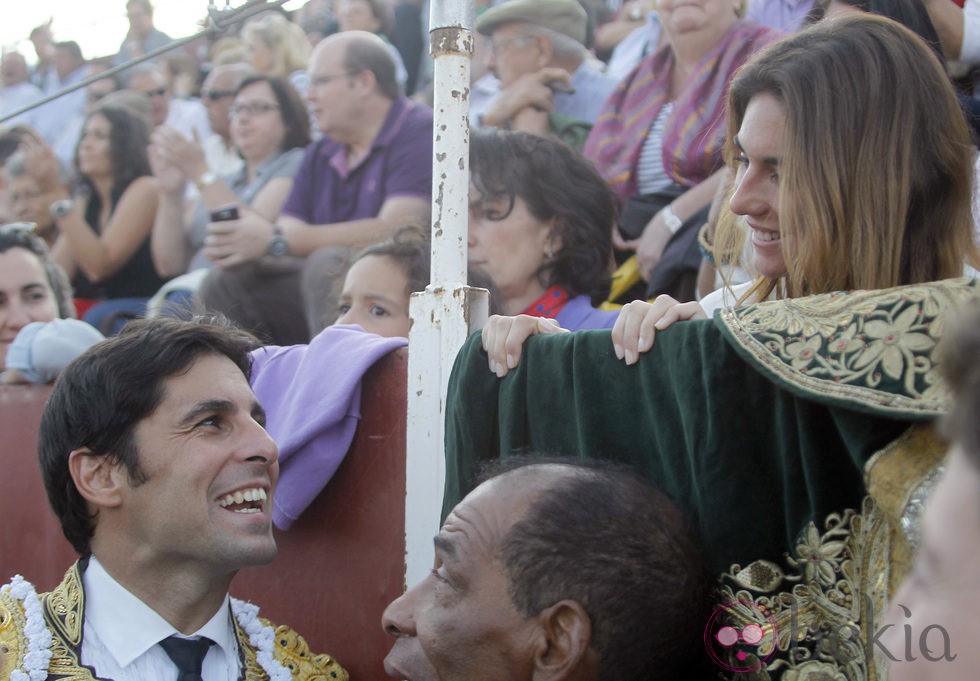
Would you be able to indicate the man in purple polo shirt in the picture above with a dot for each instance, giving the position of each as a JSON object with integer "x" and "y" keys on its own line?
{"x": 370, "y": 173}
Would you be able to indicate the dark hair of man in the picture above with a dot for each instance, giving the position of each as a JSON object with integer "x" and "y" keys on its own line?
{"x": 128, "y": 140}
{"x": 372, "y": 55}
{"x": 555, "y": 181}
{"x": 609, "y": 540}
{"x": 959, "y": 353}
{"x": 101, "y": 397}
{"x": 295, "y": 117}
{"x": 57, "y": 278}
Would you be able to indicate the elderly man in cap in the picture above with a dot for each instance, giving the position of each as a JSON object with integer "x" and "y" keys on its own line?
{"x": 549, "y": 83}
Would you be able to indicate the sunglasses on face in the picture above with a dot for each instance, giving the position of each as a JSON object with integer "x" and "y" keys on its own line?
{"x": 215, "y": 95}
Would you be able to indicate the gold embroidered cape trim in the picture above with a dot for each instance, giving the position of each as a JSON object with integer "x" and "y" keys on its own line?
{"x": 818, "y": 616}
{"x": 64, "y": 614}
{"x": 819, "y": 611}
{"x": 870, "y": 350}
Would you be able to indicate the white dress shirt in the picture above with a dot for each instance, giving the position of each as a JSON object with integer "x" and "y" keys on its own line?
{"x": 15, "y": 97}
{"x": 221, "y": 159}
{"x": 189, "y": 118}
{"x": 121, "y": 632}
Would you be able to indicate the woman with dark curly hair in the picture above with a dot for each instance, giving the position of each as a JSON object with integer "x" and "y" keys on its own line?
{"x": 540, "y": 224}
{"x": 104, "y": 241}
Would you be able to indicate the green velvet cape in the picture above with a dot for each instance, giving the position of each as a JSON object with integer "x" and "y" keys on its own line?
{"x": 761, "y": 421}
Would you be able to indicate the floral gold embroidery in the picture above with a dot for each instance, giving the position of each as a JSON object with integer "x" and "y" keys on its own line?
{"x": 867, "y": 347}
{"x": 13, "y": 642}
{"x": 818, "y": 612}
{"x": 293, "y": 652}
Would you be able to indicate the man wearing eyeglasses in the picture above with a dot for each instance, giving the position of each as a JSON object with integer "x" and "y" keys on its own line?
{"x": 549, "y": 83}
{"x": 188, "y": 116}
{"x": 370, "y": 173}
{"x": 218, "y": 94}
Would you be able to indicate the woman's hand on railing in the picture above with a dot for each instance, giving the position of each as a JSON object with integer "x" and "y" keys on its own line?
{"x": 503, "y": 338}
{"x": 639, "y": 321}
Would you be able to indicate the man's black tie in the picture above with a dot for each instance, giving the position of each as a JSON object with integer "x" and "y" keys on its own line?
{"x": 188, "y": 654}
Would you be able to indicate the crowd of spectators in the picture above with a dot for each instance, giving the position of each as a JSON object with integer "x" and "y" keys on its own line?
{"x": 281, "y": 175}
{"x": 639, "y": 86}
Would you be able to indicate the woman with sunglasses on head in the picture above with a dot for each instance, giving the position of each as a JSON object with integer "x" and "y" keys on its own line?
{"x": 269, "y": 129}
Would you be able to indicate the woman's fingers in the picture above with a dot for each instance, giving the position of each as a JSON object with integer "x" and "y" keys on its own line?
{"x": 639, "y": 321}
{"x": 680, "y": 312}
{"x": 626, "y": 331}
{"x": 503, "y": 339}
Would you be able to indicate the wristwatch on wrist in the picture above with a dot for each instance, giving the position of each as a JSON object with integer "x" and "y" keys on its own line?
{"x": 206, "y": 179}
{"x": 671, "y": 221}
{"x": 278, "y": 246}
{"x": 60, "y": 208}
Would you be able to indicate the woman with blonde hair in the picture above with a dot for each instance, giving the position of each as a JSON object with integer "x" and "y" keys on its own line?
{"x": 279, "y": 48}
{"x": 867, "y": 189}
{"x": 853, "y": 166}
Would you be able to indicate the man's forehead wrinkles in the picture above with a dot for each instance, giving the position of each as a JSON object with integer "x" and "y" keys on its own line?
{"x": 470, "y": 527}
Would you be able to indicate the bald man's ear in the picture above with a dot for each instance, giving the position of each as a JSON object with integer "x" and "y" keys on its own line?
{"x": 98, "y": 479}
{"x": 366, "y": 79}
{"x": 565, "y": 653}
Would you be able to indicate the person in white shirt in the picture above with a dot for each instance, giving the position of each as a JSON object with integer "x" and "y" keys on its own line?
{"x": 218, "y": 94}
{"x": 17, "y": 91}
{"x": 156, "y": 461}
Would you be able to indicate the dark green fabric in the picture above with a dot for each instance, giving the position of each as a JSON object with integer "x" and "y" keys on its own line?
{"x": 752, "y": 461}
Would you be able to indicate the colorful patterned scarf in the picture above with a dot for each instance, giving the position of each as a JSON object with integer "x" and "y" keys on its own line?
{"x": 694, "y": 131}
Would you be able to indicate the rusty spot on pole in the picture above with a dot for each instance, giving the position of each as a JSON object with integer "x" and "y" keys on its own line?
{"x": 452, "y": 40}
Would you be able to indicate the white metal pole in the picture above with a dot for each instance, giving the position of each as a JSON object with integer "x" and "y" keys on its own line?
{"x": 447, "y": 311}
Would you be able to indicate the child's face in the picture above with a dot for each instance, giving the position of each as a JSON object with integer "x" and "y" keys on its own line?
{"x": 375, "y": 297}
